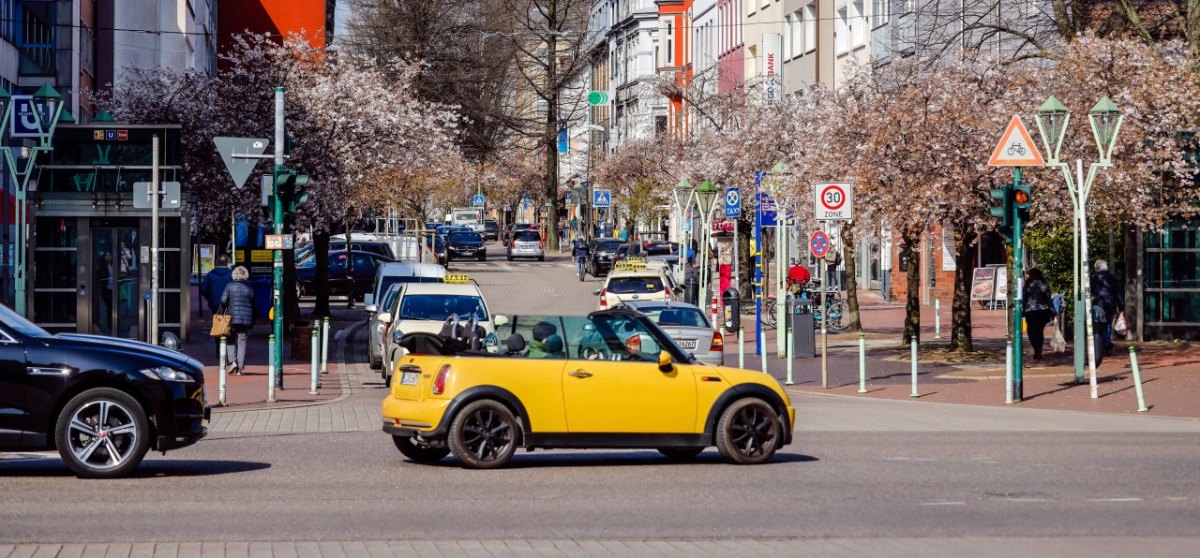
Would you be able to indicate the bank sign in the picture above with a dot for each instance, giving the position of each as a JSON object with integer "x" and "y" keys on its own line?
{"x": 772, "y": 69}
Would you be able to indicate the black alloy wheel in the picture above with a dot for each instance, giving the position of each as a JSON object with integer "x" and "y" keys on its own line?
{"x": 483, "y": 435}
{"x": 748, "y": 432}
{"x": 102, "y": 433}
{"x": 419, "y": 453}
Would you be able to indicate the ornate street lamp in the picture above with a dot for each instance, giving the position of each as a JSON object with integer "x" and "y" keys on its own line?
{"x": 1105, "y": 119}
{"x": 706, "y": 195}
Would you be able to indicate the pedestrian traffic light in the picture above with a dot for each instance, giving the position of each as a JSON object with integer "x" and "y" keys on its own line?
{"x": 292, "y": 188}
{"x": 1004, "y": 211}
{"x": 1022, "y": 194}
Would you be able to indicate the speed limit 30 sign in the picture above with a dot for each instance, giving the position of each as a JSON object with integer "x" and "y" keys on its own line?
{"x": 833, "y": 201}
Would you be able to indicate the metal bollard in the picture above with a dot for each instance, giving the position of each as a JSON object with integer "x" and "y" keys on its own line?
{"x": 316, "y": 363}
{"x": 913, "y": 357}
{"x": 937, "y": 318}
{"x": 862, "y": 363}
{"x": 1137, "y": 380}
{"x": 222, "y": 354}
{"x": 790, "y": 341}
{"x": 1008, "y": 372}
{"x": 325, "y": 346}
{"x": 271, "y": 368}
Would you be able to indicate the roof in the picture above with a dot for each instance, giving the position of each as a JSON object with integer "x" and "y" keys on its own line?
{"x": 648, "y": 272}
{"x": 443, "y": 288}
{"x": 639, "y": 304}
{"x": 411, "y": 269}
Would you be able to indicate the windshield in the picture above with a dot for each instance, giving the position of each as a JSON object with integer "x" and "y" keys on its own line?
{"x": 635, "y": 285}
{"x": 389, "y": 280}
{"x": 441, "y": 306}
{"x": 465, "y": 237}
{"x": 675, "y": 317}
{"x": 609, "y": 246}
{"x": 17, "y": 323}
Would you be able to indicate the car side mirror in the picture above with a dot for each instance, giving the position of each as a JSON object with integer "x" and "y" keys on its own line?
{"x": 369, "y": 300}
{"x": 596, "y": 292}
{"x": 500, "y": 320}
{"x": 664, "y": 361}
{"x": 371, "y": 307}
{"x": 385, "y": 318}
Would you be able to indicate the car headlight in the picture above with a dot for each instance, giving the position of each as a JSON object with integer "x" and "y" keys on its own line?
{"x": 167, "y": 374}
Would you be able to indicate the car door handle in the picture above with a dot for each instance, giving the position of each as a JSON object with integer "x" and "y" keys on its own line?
{"x": 580, "y": 374}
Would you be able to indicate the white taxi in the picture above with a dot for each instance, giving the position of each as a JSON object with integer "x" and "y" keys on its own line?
{"x": 631, "y": 280}
{"x": 424, "y": 307}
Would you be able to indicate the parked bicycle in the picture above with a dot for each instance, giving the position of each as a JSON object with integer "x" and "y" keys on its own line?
{"x": 835, "y": 308}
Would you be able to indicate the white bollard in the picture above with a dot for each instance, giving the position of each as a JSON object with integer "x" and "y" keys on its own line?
{"x": 223, "y": 355}
{"x": 862, "y": 363}
{"x": 1008, "y": 372}
{"x": 913, "y": 357}
{"x": 325, "y": 346}
{"x": 271, "y": 368}
{"x": 1137, "y": 380}
{"x": 937, "y": 318}
{"x": 788, "y": 349}
{"x": 316, "y": 364}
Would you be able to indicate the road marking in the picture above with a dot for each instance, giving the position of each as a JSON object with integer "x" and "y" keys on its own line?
{"x": 1021, "y": 499}
{"x": 1176, "y": 498}
{"x": 1116, "y": 500}
{"x": 909, "y": 459}
{"x": 943, "y": 503}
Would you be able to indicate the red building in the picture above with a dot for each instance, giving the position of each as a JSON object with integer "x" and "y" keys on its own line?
{"x": 675, "y": 58}
{"x": 280, "y": 18}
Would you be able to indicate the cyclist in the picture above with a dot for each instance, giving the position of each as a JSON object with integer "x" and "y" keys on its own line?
{"x": 580, "y": 252}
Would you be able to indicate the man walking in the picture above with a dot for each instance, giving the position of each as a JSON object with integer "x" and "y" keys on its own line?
{"x": 214, "y": 283}
{"x": 1109, "y": 298}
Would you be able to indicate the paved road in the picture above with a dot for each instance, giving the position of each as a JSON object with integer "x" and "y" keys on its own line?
{"x": 865, "y": 477}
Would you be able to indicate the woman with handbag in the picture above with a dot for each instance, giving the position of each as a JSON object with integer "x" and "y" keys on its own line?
{"x": 1038, "y": 308}
{"x": 238, "y": 301}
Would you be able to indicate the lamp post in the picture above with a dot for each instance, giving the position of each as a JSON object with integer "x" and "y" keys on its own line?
{"x": 706, "y": 194}
{"x": 1105, "y": 120}
{"x": 684, "y": 194}
{"x": 48, "y": 97}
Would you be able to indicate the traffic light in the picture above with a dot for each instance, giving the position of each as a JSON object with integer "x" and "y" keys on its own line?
{"x": 1022, "y": 194}
{"x": 1004, "y": 211}
{"x": 292, "y": 188}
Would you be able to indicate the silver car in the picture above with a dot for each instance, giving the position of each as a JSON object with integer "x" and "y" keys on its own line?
{"x": 526, "y": 244}
{"x": 687, "y": 325}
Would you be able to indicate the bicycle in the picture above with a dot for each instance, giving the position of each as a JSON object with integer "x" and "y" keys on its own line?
{"x": 838, "y": 319}
{"x": 580, "y": 267}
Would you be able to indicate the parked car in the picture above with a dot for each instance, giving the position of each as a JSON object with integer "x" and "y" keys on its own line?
{"x": 688, "y": 325}
{"x": 465, "y": 245}
{"x": 491, "y": 230}
{"x": 102, "y": 402}
{"x": 601, "y": 252}
{"x": 612, "y": 379}
{"x": 350, "y": 273}
{"x": 526, "y": 244}
{"x": 388, "y": 279}
{"x": 513, "y": 229}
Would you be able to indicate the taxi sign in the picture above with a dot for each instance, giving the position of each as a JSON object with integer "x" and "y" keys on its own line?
{"x": 631, "y": 265}
{"x": 456, "y": 278}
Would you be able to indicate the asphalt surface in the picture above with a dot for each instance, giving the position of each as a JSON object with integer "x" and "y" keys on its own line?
{"x": 882, "y": 477}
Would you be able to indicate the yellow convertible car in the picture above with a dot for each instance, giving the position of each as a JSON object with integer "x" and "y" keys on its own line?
{"x": 612, "y": 379}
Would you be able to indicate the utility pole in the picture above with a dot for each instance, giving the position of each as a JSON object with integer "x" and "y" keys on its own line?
{"x": 277, "y": 258}
{"x": 155, "y": 190}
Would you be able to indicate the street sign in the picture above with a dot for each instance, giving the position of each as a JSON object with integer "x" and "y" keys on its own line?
{"x": 833, "y": 201}
{"x": 278, "y": 242}
{"x": 818, "y": 244}
{"x": 525, "y": 203}
{"x": 767, "y": 210}
{"x": 597, "y": 98}
{"x": 564, "y": 141}
{"x": 733, "y": 202}
{"x": 1016, "y": 149}
{"x": 24, "y": 123}
{"x": 601, "y": 198}
{"x": 240, "y": 168}
{"x": 478, "y": 200}
{"x": 169, "y": 200}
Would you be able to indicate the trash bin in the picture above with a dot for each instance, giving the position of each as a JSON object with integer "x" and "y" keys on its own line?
{"x": 804, "y": 339}
{"x": 302, "y": 340}
{"x": 263, "y": 296}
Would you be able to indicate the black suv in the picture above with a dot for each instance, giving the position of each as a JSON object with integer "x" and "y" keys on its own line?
{"x": 462, "y": 244}
{"x": 601, "y": 253}
{"x": 491, "y": 230}
{"x": 101, "y": 402}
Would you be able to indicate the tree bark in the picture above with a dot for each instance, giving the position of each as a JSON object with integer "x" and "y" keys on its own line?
{"x": 851, "y": 276}
{"x": 911, "y": 253}
{"x": 964, "y": 273}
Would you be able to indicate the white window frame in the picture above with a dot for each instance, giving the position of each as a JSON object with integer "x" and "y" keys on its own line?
{"x": 810, "y": 27}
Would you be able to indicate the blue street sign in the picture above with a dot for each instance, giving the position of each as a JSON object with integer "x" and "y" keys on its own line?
{"x": 525, "y": 203}
{"x": 24, "y": 123}
{"x": 601, "y": 198}
{"x": 564, "y": 141}
{"x": 478, "y": 200}
{"x": 733, "y": 202}
{"x": 768, "y": 212}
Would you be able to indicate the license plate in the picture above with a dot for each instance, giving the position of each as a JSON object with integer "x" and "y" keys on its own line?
{"x": 409, "y": 378}
{"x": 687, "y": 343}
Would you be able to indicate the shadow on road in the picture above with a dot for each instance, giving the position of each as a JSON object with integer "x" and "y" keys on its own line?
{"x": 649, "y": 458}
{"x": 43, "y": 466}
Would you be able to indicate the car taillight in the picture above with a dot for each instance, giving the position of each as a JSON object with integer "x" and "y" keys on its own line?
{"x": 718, "y": 342}
{"x": 439, "y": 382}
{"x": 634, "y": 343}
{"x": 668, "y": 291}
{"x": 603, "y": 299}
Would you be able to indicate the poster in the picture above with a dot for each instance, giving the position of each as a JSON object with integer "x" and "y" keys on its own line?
{"x": 983, "y": 284}
{"x": 206, "y": 258}
{"x": 1001, "y": 284}
{"x": 948, "y": 263}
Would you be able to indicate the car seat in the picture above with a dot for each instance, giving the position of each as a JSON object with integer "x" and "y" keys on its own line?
{"x": 554, "y": 347}
{"x": 515, "y": 345}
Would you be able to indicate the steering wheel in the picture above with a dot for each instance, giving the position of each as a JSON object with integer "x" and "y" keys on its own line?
{"x": 592, "y": 353}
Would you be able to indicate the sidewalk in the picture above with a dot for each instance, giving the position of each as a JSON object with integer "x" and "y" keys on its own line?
{"x": 1170, "y": 371}
{"x": 249, "y": 391}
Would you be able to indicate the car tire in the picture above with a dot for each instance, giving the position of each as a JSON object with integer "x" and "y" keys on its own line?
{"x": 749, "y": 432}
{"x": 417, "y": 452}
{"x": 495, "y": 441}
{"x": 377, "y": 363}
{"x": 541, "y": 258}
{"x": 680, "y": 454}
{"x": 482, "y": 258}
{"x": 79, "y": 440}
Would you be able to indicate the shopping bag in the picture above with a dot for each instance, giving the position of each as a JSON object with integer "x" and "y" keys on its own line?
{"x": 1057, "y": 343}
{"x": 221, "y": 324}
{"x": 1120, "y": 326}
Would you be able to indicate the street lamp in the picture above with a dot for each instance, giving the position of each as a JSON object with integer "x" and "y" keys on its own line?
{"x": 683, "y": 194}
{"x": 706, "y": 194}
{"x": 1105, "y": 120}
{"x": 774, "y": 186}
{"x": 48, "y": 97}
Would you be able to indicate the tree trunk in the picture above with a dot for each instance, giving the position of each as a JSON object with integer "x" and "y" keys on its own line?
{"x": 911, "y": 253}
{"x": 321, "y": 252}
{"x": 851, "y": 276}
{"x": 964, "y": 273}
{"x": 746, "y": 271}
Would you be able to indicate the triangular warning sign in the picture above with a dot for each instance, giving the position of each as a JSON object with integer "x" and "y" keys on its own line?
{"x": 1016, "y": 149}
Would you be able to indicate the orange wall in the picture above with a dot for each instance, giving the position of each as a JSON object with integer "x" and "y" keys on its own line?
{"x": 278, "y": 17}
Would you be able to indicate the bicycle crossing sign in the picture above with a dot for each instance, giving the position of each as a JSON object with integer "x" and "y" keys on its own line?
{"x": 1016, "y": 149}
{"x": 733, "y": 202}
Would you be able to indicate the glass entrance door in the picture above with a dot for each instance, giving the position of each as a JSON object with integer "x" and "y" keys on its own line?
{"x": 115, "y": 283}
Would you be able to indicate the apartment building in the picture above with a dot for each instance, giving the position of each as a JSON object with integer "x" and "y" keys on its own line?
{"x": 628, "y": 30}
{"x": 185, "y": 37}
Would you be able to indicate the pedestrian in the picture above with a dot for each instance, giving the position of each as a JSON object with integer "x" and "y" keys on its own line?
{"x": 212, "y": 287}
{"x": 1108, "y": 294}
{"x": 1038, "y": 309}
{"x": 238, "y": 299}
{"x": 691, "y": 282}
